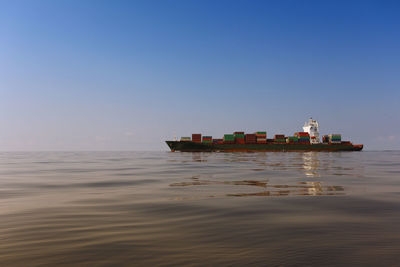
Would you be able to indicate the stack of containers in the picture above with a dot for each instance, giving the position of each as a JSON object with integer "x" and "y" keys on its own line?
{"x": 196, "y": 138}
{"x": 335, "y": 138}
{"x": 218, "y": 141}
{"x": 279, "y": 138}
{"x": 207, "y": 139}
{"x": 304, "y": 137}
{"x": 292, "y": 139}
{"x": 239, "y": 137}
{"x": 250, "y": 139}
{"x": 325, "y": 139}
{"x": 185, "y": 139}
{"x": 229, "y": 139}
{"x": 261, "y": 137}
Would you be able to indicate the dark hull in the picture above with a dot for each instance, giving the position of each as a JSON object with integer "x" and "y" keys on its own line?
{"x": 201, "y": 147}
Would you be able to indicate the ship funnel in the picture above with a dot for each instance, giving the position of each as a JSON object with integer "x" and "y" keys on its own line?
{"x": 312, "y": 127}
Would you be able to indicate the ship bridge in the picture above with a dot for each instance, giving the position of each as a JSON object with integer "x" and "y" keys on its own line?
{"x": 312, "y": 127}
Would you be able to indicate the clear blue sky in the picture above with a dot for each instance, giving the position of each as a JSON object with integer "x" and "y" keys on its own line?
{"x": 126, "y": 75}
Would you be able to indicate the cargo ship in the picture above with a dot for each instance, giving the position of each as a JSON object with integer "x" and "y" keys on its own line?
{"x": 307, "y": 140}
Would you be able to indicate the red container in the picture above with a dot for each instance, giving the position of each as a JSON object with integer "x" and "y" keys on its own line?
{"x": 239, "y": 141}
{"x": 279, "y": 136}
{"x": 303, "y": 142}
{"x": 196, "y": 138}
{"x": 229, "y": 142}
{"x": 238, "y": 132}
{"x": 250, "y": 138}
{"x": 261, "y": 142}
{"x": 299, "y": 134}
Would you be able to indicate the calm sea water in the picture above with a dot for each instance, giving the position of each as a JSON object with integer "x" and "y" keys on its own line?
{"x": 164, "y": 208}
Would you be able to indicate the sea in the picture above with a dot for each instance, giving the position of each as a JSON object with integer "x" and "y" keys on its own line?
{"x": 200, "y": 209}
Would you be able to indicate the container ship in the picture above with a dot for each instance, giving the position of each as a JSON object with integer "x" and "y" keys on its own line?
{"x": 307, "y": 140}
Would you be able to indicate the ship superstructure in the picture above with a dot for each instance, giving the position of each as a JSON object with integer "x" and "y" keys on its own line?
{"x": 312, "y": 128}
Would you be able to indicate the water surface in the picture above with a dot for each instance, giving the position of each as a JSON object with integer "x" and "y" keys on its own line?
{"x": 164, "y": 208}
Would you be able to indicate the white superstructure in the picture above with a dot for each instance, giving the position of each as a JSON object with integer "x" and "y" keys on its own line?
{"x": 312, "y": 128}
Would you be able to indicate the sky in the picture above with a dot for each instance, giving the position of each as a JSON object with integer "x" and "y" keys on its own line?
{"x": 128, "y": 75}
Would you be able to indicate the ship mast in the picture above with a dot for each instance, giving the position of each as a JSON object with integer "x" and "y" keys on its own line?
{"x": 312, "y": 127}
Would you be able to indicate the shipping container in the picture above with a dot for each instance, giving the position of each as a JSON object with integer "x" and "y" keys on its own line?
{"x": 279, "y": 136}
{"x": 229, "y": 137}
{"x": 250, "y": 137}
{"x": 196, "y": 138}
{"x": 238, "y": 133}
{"x": 292, "y": 139}
{"x": 186, "y": 139}
{"x": 261, "y": 140}
{"x": 240, "y": 136}
{"x": 335, "y": 138}
{"x": 300, "y": 134}
{"x": 303, "y": 142}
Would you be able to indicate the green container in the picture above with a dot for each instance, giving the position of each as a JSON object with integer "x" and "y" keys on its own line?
{"x": 239, "y": 136}
{"x": 207, "y": 142}
{"x": 261, "y": 132}
{"x": 229, "y": 137}
{"x": 293, "y": 138}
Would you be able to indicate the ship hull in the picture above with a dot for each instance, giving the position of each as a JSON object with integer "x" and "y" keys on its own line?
{"x": 187, "y": 146}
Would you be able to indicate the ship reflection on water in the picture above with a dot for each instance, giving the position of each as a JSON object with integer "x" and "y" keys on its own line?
{"x": 310, "y": 164}
{"x": 299, "y": 189}
{"x": 307, "y": 162}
